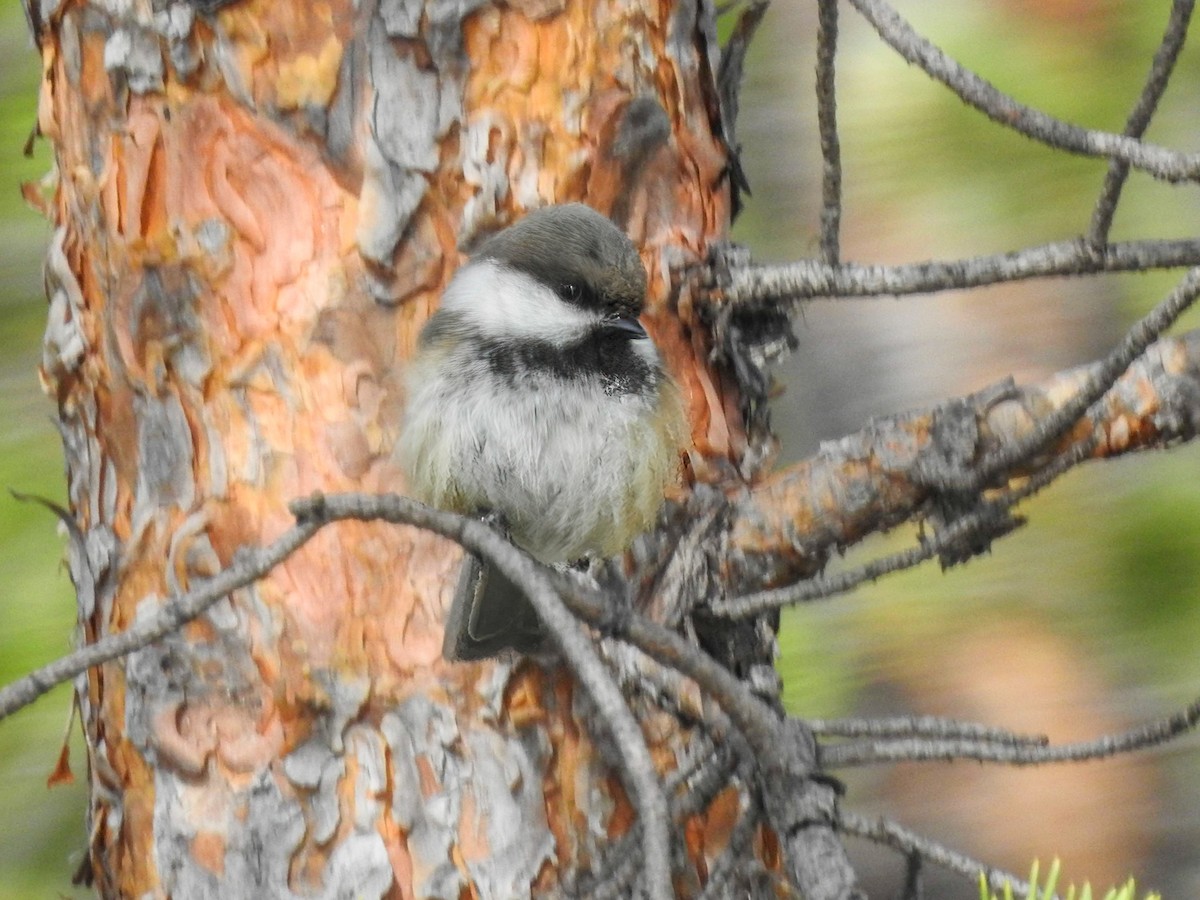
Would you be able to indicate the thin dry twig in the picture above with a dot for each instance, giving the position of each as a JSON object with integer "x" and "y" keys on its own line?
{"x": 784, "y": 749}
{"x": 639, "y": 773}
{"x": 1151, "y": 734}
{"x": 751, "y": 285}
{"x": 1157, "y": 80}
{"x": 248, "y": 566}
{"x": 922, "y": 727}
{"x": 825, "y": 586}
{"x": 251, "y": 565}
{"x": 822, "y": 587}
{"x": 1004, "y": 110}
{"x": 987, "y": 517}
{"x": 831, "y": 151}
{"x": 890, "y": 834}
{"x": 1054, "y": 426}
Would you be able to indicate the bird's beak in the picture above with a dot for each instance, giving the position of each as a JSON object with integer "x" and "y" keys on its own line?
{"x": 628, "y": 326}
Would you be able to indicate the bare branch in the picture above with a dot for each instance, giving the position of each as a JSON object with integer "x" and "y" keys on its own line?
{"x": 751, "y": 716}
{"x": 729, "y": 84}
{"x": 890, "y": 834}
{"x": 252, "y": 565}
{"x": 779, "y": 745}
{"x": 639, "y": 773}
{"x": 799, "y": 808}
{"x": 1004, "y": 110}
{"x": 823, "y": 587}
{"x": 1139, "y": 118}
{"x": 974, "y": 529}
{"x": 1159, "y": 731}
{"x": 751, "y": 285}
{"x": 890, "y": 472}
{"x": 831, "y": 151}
{"x": 1097, "y": 384}
{"x": 248, "y": 566}
{"x": 922, "y": 726}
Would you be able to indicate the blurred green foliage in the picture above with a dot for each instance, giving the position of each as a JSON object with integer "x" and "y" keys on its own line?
{"x": 41, "y": 829}
{"x": 1049, "y": 887}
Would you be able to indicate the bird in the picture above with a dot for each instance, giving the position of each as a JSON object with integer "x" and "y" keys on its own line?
{"x": 537, "y": 400}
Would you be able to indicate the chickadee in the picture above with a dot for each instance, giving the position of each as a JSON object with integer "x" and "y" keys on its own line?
{"x": 536, "y": 397}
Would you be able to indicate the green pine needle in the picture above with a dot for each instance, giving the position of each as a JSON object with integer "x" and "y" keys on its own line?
{"x": 1127, "y": 891}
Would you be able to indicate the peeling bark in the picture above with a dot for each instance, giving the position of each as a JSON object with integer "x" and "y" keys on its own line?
{"x": 786, "y": 526}
{"x": 258, "y": 205}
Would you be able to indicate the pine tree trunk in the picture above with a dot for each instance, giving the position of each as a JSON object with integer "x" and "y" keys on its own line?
{"x": 258, "y": 205}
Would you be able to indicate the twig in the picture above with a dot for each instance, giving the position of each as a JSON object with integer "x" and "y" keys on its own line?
{"x": 1004, "y": 110}
{"x": 987, "y": 515}
{"x": 1099, "y": 381}
{"x": 248, "y": 566}
{"x": 730, "y": 68}
{"x": 639, "y": 773}
{"x": 787, "y": 526}
{"x": 797, "y": 807}
{"x": 922, "y": 727}
{"x": 808, "y": 279}
{"x": 251, "y": 565}
{"x": 1139, "y": 118}
{"x": 1149, "y": 735}
{"x": 781, "y": 754}
{"x": 825, "y": 586}
{"x": 831, "y": 151}
{"x": 890, "y": 834}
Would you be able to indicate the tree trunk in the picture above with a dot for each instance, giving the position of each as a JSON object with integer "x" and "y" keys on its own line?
{"x": 258, "y": 205}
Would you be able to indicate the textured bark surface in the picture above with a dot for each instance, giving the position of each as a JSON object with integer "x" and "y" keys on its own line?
{"x": 789, "y": 523}
{"x": 257, "y": 208}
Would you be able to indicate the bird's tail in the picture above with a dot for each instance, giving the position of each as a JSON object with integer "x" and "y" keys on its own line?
{"x": 489, "y": 614}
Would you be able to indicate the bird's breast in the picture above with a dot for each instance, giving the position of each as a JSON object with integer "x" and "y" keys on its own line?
{"x": 577, "y": 463}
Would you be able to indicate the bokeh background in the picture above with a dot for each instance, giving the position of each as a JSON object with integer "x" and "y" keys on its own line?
{"x": 1084, "y": 622}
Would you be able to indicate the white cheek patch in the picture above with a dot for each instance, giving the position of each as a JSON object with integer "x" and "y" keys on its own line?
{"x": 503, "y": 302}
{"x": 644, "y": 347}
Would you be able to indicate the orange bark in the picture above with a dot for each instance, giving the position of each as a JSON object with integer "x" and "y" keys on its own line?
{"x": 872, "y": 480}
{"x": 244, "y": 315}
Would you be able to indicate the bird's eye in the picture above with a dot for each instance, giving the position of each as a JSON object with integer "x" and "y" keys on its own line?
{"x": 570, "y": 291}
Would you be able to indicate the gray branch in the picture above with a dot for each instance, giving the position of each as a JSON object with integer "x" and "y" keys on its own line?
{"x": 1099, "y": 382}
{"x": 921, "y": 727}
{"x": 989, "y": 519}
{"x": 639, "y": 773}
{"x": 1157, "y": 80}
{"x": 1004, "y": 110}
{"x": 888, "y": 833}
{"x": 1151, "y": 734}
{"x": 252, "y": 565}
{"x": 248, "y": 567}
{"x": 831, "y": 151}
{"x": 752, "y": 285}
